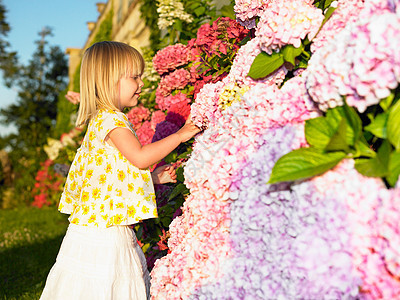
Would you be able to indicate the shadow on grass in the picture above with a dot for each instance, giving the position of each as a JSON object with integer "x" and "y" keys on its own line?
{"x": 23, "y": 270}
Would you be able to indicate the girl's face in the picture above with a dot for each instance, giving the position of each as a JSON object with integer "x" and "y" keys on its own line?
{"x": 129, "y": 91}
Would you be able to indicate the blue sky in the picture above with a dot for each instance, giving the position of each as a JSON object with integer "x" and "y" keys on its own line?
{"x": 67, "y": 18}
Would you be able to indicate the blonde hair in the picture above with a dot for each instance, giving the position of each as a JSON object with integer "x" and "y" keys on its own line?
{"x": 103, "y": 65}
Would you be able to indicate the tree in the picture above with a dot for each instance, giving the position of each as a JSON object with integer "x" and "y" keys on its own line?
{"x": 8, "y": 59}
{"x": 34, "y": 114}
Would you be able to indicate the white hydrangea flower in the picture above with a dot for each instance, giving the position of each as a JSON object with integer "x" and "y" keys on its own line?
{"x": 169, "y": 11}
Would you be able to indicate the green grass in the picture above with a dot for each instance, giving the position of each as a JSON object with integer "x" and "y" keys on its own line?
{"x": 29, "y": 242}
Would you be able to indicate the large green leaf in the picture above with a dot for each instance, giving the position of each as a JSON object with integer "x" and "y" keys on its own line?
{"x": 340, "y": 129}
{"x": 353, "y": 119}
{"x": 264, "y": 64}
{"x": 339, "y": 141}
{"x": 290, "y": 53}
{"x": 377, "y": 166}
{"x": 394, "y": 168}
{"x": 334, "y": 118}
{"x": 379, "y": 125}
{"x": 304, "y": 163}
{"x": 318, "y": 132}
{"x": 393, "y": 126}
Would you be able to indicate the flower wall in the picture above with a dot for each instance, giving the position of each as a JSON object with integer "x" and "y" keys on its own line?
{"x": 331, "y": 234}
{"x": 183, "y": 71}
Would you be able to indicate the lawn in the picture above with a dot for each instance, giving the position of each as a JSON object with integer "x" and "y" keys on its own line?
{"x": 29, "y": 242}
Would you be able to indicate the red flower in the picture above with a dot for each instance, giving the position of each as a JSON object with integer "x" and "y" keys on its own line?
{"x": 178, "y": 113}
{"x": 145, "y": 133}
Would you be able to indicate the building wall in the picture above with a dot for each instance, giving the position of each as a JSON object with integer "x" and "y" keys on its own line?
{"x": 127, "y": 27}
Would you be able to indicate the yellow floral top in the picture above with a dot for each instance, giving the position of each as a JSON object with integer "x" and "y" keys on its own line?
{"x": 103, "y": 188}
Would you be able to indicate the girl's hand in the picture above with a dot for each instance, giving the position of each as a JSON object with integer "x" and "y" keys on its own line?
{"x": 188, "y": 130}
{"x": 73, "y": 97}
{"x": 164, "y": 174}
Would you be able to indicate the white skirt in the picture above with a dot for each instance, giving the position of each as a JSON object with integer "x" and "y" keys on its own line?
{"x": 98, "y": 263}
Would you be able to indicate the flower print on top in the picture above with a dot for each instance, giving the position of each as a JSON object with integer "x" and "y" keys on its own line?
{"x": 103, "y": 183}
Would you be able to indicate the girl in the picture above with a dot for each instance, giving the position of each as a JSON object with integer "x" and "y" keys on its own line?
{"x": 109, "y": 185}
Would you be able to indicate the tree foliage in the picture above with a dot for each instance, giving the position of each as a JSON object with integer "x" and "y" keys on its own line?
{"x": 8, "y": 59}
{"x": 38, "y": 85}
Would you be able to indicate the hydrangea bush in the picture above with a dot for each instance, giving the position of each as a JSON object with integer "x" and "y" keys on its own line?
{"x": 183, "y": 69}
{"x": 327, "y": 111}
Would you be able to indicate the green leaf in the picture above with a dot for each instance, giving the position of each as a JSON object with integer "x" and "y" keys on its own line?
{"x": 353, "y": 119}
{"x": 165, "y": 221}
{"x": 199, "y": 11}
{"x": 339, "y": 129}
{"x": 264, "y": 64}
{"x": 328, "y": 14}
{"x": 290, "y": 53}
{"x": 228, "y": 11}
{"x": 194, "y": 5}
{"x": 377, "y": 166}
{"x": 394, "y": 168}
{"x": 339, "y": 141}
{"x": 363, "y": 149}
{"x": 393, "y": 126}
{"x": 179, "y": 174}
{"x": 334, "y": 117}
{"x": 171, "y": 157}
{"x": 385, "y": 103}
{"x": 304, "y": 163}
{"x": 178, "y": 25}
{"x": 302, "y": 64}
{"x": 379, "y": 125}
{"x": 323, "y": 4}
{"x": 328, "y": 3}
{"x": 318, "y": 132}
{"x": 185, "y": 154}
{"x": 179, "y": 189}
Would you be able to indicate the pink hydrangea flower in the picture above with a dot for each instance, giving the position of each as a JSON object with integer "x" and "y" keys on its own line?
{"x": 145, "y": 133}
{"x": 287, "y": 22}
{"x": 178, "y": 79}
{"x": 247, "y": 10}
{"x": 171, "y": 57}
{"x": 345, "y": 13}
{"x": 206, "y": 104}
{"x": 178, "y": 113}
{"x": 361, "y": 64}
{"x": 138, "y": 115}
{"x": 164, "y": 103}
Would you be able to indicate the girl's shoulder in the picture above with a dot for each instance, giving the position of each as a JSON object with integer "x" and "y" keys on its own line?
{"x": 111, "y": 117}
{"x": 106, "y": 120}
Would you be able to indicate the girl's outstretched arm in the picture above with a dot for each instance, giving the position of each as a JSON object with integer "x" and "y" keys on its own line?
{"x": 144, "y": 156}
